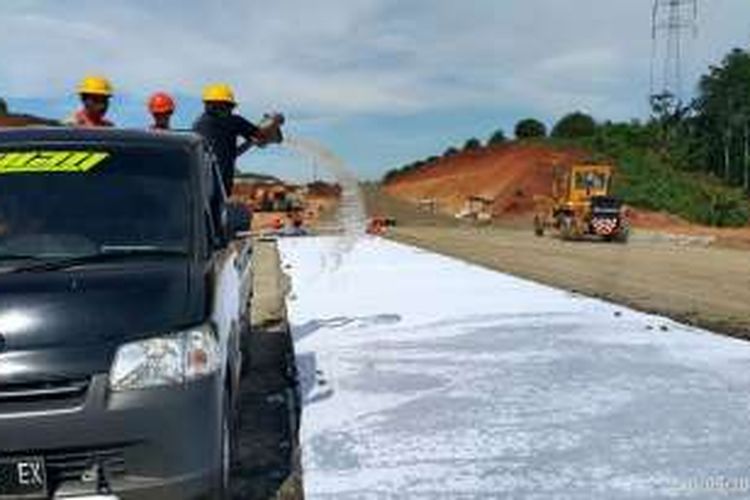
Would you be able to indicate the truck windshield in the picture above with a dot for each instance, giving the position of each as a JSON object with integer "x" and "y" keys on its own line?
{"x": 69, "y": 202}
{"x": 591, "y": 180}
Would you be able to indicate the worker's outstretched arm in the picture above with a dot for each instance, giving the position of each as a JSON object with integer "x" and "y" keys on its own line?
{"x": 268, "y": 132}
{"x": 245, "y": 146}
{"x": 249, "y": 132}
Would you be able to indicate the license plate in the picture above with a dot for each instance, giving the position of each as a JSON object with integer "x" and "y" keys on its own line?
{"x": 22, "y": 477}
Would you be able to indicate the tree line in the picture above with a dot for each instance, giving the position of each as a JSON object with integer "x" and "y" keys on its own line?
{"x": 576, "y": 124}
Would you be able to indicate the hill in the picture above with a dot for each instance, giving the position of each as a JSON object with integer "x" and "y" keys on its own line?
{"x": 509, "y": 175}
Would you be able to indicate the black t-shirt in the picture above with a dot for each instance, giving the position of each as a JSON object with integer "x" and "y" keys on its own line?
{"x": 222, "y": 133}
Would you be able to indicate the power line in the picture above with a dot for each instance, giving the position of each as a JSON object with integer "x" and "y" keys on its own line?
{"x": 672, "y": 22}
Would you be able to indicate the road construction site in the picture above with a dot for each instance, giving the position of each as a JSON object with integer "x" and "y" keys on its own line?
{"x": 698, "y": 277}
{"x": 463, "y": 361}
{"x": 472, "y": 358}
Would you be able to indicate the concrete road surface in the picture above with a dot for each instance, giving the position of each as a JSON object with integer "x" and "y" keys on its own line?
{"x": 425, "y": 377}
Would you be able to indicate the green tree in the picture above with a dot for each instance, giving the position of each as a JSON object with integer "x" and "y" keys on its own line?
{"x": 451, "y": 151}
{"x": 498, "y": 137}
{"x": 574, "y": 125}
{"x": 722, "y": 121}
{"x": 472, "y": 144}
{"x": 391, "y": 175}
{"x": 530, "y": 128}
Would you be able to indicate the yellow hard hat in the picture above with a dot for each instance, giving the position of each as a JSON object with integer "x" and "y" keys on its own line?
{"x": 218, "y": 92}
{"x": 96, "y": 85}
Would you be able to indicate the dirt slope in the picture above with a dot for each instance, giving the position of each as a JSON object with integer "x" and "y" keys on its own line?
{"x": 509, "y": 174}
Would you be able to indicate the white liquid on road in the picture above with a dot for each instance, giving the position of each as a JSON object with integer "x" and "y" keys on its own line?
{"x": 426, "y": 377}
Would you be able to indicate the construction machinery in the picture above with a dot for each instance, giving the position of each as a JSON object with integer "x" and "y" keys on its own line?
{"x": 379, "y": 224}
{"x": 582, "y": 205}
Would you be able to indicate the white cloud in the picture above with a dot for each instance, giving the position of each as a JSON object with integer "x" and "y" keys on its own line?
{"x": 587, "y": 60}
{"x": 354, "y": 56}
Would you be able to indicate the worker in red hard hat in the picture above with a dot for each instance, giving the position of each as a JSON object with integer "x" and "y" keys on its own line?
{"x": 161, "y": 106}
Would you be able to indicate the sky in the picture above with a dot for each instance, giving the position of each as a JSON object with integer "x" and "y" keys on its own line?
{"x": 381, "y": 83}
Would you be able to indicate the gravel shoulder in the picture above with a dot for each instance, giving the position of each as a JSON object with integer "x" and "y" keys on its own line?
{"x": 268, "y": 465}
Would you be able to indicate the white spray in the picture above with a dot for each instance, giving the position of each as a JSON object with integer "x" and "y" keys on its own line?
{"x": 351, "y": 217}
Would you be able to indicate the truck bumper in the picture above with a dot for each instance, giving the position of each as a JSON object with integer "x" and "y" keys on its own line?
{"x": 161, "y": 443}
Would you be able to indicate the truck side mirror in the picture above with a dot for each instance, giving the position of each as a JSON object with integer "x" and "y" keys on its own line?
{"x": 239, "y": 219}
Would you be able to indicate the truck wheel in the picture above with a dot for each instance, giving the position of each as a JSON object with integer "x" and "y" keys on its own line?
{"x": 227, "y": 448}
{"x": 538, "y": 226}
{"x": 566, "y": 227}
{"x": 622, "y": 236}
{"x": 245, "y": 339}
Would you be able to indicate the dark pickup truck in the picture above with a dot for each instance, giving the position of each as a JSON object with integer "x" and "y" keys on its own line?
{"x": 123, "y": 309}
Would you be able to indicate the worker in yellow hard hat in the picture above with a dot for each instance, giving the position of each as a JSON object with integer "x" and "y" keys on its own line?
{"x": 221, "y": 128}
{"x": 95, "y": 93}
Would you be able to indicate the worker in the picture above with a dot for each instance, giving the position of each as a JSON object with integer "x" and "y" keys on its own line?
{"x": 95, "y": 93}
{"x": 161, "y": 106}
{"x": 221, "y": 127}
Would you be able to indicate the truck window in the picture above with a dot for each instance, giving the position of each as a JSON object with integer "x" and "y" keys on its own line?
{"x": 127, "y": 199}
{"x": 591, "y": 180}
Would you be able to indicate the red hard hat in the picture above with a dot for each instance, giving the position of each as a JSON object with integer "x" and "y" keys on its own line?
{"x": 161, "y": 102}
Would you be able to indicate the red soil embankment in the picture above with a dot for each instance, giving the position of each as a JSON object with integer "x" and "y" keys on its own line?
{"x": 510, "y": 175}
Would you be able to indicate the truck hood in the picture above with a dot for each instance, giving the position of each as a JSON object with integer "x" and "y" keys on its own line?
{"x": 67, "y": 324}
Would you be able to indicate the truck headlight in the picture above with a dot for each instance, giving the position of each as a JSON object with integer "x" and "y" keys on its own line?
{"x": 169, "y": 360}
